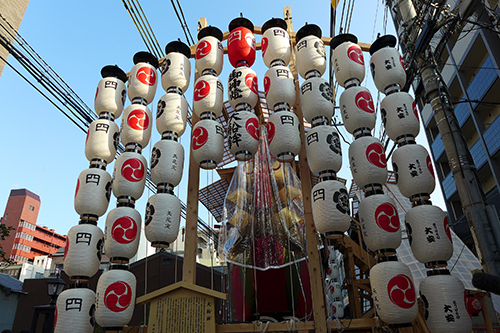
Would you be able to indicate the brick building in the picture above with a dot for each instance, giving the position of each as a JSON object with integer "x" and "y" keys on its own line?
{"x": 28, "y": 239}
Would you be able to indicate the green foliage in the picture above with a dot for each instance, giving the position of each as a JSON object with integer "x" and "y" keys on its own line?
{"x": 4, "y": 233}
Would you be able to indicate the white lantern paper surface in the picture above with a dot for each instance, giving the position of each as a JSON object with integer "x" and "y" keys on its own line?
{"x": 209, "y": 50}
{"x": 143, "y": 77}
{"x": 338, "y": 309}
{"x": 122, "y": 233}
{"x": 413, "y": 169}
{"x": 334, "y": 289}
{"x": 163, "y": 214}
{"x": 275, "y": 42}
{"x": 368, "y": 162}
{"x": 279, "y": 86}
{"x": 323, "y": 149}
{"x": 129, "y": 175}
{"x": 115, "y": 298}
{"x": 208, "y": 95}
{"x": 243, "y": 87}
{"x": 176, "y": 68}
{"x": 330, "y": 207}
{"x": 102, "y": 140}
{"x": 394, "y": 292}
{"x": 74, "y": 311}
{"x": 243, "y": 135}
{"x": 171, "y": 114}
{"x": 357, "y": 109}
{"x": 399, "y": 115}
{"x": 380, "y": 223}
{"x": 347, "y": 59}
{"x": 111, "y": 92}
{"x": 283, "y": 132}
{"x": 137, "y": 122}
{"x": 82, "y": 255}
{"x": 311, "y": 56}
{"x": 429, "y": 234}
{"x": 333, "y": 272}
{"x": 167, "y": 162}
{"x": 316, "y": 98}
{"x": 207, "y": 143}
{"x": 93, "y": 191}
{"x": 386, "y": 64}
{"x": 443, "y": 300}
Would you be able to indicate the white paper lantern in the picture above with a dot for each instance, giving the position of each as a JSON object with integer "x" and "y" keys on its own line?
{"x": 332, "y": 255}
{"x": 323, "y": 149}
{"x": 143, "y": 78}
{"x": 243, "y": 87}
{"x": 330, "y": 207}
{"x": 443, "y": 300}
{"x": 338, "y": 310}
{"x": 82, "y": 255}
{"x": 93, "y": 191}
{"x": 74, "y": 311}
{"x": 115, "y": 298}
{"x": 380, "y": 224}
{"x": 386, "y": 64}
{"x": 208, "y": 95}
{"x": 137, "y": 122}
{"x": 413, "y": 169}
{"x": 207, "y": 143}
{"x": 368, "y": 162}
{"x": 279, "y": 87}
{"x": 163, "y": 214}
{"x": 399, "y": 115}
{"x": 111, "y": 92}
{"x": 334, "y": 290}
{"x": 333, "y": 271}
{"x": 310, "y": 51}
{"x": 122, "y": 233}
{"x": 316, "y": 98}
{"x": 429, "y": 234}
{"x": 176, "y": 68}
{"x": 102, "y": 140}
{"x": 357, "y": 109}
{"x": 243, "y": 135}
{"x": 209, "y": 51}
{"x": 275, "y": 42}
{"x": 171, "y": 114}
{"x": 129, "y": 175}
{"x": 347, "y": 59}
{"x": 283, "y": 135}
{"x": 167, "y": 162}
{"x": 394, "y": 293}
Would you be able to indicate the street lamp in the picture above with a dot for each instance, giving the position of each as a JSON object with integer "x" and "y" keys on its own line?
{"x": 55, "y": 287}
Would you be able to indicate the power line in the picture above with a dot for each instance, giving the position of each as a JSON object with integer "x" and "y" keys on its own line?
{"x": 187, "y": 33}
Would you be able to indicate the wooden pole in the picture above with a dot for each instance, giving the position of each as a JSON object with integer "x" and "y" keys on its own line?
{"x": 486, "y": 315}
{"x": 317, "y": 292}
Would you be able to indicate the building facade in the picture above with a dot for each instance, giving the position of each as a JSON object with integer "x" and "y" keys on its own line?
{"x": 28, "y": 240}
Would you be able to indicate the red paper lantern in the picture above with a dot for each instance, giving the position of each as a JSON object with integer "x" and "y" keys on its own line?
{"x": 473, "y": 305}
{"x": 241, "y": 42}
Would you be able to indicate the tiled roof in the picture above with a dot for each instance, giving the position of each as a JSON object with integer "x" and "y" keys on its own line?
{"x": 10, "y": 283}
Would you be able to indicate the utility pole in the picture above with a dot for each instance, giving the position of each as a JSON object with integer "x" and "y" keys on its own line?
{"x": 482, "y": 218}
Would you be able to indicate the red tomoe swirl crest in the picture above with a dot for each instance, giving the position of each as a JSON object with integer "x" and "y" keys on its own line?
{"x": 138, "y": 119}
{"x": 267, "y": 84}
{"x": 133, "y": 170}
{"x": 264, "y": 44}
{"x": 401, "y": 291}
{"x": 387, "y": 217}
{"x": 201, "y": 90}
{"x": 252, "y": 127}
{"x": 200, "y": 137}
{"x": 355, "y": 54}
{"x": 447, "y": 228}
{"x": 146, "y": 75}
{"x": 364, "y": 101}
{"x": 429, "y": 165}
{"x": 124, "y": 230}
{"x": 271, "y": 130}
{"x": 203, "y": 48}
{"x": 375, "y": 154}
{"x": 118, "y": 296}
{"x": 251, "y": 82}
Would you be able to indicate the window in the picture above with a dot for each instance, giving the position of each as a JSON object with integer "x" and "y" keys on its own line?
{"x": 31, "y": 208}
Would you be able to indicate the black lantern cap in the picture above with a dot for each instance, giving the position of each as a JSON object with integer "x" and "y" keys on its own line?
{"x": 113, "y": 71}
{"x": 384, "y": 41}
{"x": 146, "y": 57}
{"x": 342, "y": 38}
{"x": 308, "y": 30}
{"x": 240, "y": 22}
{"x": 274, "y": 22}
{"x": 210, "y": 31}
{"x": 178, "y": 46}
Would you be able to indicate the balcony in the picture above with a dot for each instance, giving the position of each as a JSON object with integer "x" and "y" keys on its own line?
{"x": 478, "y": 154}
{"x": 437, "y": 147}
{"x": 492, "y": 136}
{"x": 482, "y": 81}
{"x": 462, "y": 112}
{"x": 449, "y": 186}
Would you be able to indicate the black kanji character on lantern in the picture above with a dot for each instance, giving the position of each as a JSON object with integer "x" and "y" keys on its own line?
{"x": 313, "y": 137}
{"x": 83, "y": 237}
{"x": 447, "y": 308}
{"x": 101, "y": 127}
{"x": 319, "y": 194}
{"x": 431, "y": 239}
{"x": 428, "y": 230}
{"x": 92, "y": 178}
{"x": 307, "y": 86}
{"x": 110, "y": 84}
{"x": 449, "y": 318}
{"x": 74, "y": 304}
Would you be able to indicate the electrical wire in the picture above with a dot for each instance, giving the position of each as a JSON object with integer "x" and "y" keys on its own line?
{"x": 183, "y": 23}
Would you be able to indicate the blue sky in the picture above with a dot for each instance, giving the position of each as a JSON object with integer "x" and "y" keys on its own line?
{"x": 44, "y": 151}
